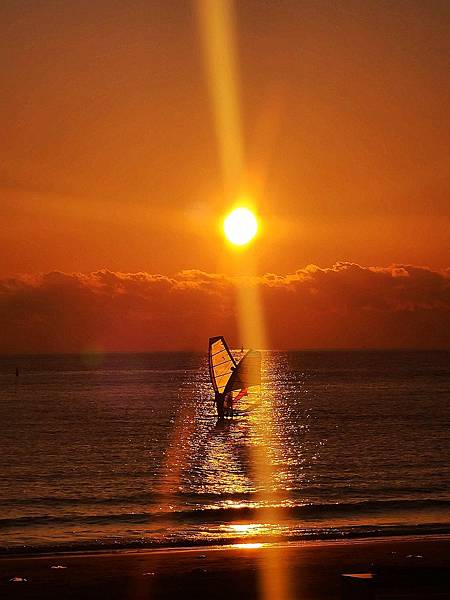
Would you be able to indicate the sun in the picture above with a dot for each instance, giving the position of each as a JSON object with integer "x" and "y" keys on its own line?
{"x": 240, "y": 226}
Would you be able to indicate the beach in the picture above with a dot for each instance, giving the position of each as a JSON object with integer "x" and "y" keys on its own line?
{"x": 415, "y": 567}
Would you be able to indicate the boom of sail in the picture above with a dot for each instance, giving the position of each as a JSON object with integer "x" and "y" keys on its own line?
{"x": 229, "y": 376}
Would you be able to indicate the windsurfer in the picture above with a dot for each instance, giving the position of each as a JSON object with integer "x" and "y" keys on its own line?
{"x": 219, "y": 401}
{"x": 228, "y": 377}
{"x": 228, "y": 404}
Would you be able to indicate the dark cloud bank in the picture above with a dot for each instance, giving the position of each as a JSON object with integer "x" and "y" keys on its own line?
{"x": 345, "y": 306}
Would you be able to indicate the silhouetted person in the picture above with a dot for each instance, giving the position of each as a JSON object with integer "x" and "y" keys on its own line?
{"x": 219, "y": 400}
{"x": 228, "y": 403}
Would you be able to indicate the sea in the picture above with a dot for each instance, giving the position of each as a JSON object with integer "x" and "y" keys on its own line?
{"x": 123, "y": 450}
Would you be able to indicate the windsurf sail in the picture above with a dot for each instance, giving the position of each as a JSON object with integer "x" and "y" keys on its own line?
{"x": 246, "y": 374}
{"x": 221, "y": 363}
{"x": 227, "y": 376}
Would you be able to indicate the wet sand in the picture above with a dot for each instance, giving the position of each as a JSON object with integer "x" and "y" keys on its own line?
{"x": 405, "y": 568}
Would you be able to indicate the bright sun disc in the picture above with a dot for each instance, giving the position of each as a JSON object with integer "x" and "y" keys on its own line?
{"x": 240, "y": 226}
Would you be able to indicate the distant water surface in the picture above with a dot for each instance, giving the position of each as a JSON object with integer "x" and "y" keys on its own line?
{"x": 124, "y": 449}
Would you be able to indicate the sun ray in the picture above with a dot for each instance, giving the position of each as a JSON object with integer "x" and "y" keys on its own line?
{"x": 216, "y": 19}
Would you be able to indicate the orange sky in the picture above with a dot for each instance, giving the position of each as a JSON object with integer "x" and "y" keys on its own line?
{"x": 109, "y": 156}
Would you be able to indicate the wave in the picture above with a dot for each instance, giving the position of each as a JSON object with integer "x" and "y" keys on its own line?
{"x": 187, "y": 540}
{"x": 293, "y": 494}
{"x": 214, "y": 513}
{"x": 148, "y": 497}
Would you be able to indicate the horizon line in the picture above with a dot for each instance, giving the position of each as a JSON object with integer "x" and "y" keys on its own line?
{"x": 193, "y": 351}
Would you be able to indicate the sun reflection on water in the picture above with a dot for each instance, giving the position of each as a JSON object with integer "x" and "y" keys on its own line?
{"x": 232, "y": 480}
{"x": 256, "y": 460}
{"x": 241, "y": 528}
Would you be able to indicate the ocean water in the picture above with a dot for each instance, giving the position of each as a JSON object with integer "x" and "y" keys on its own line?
{"x": 123, "y": 450}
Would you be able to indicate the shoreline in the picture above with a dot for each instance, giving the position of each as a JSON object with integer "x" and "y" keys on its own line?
{"x": 138, "y": 546}
{"x": 313, "y": 569}
{"x": 230, "y": 545}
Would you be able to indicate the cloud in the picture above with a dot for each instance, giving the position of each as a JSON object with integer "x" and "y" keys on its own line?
{"x": 343, "y": 306}
{"x": 353, "y": 306}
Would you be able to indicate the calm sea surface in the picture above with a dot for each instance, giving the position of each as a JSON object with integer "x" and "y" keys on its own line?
{"x": 124, "y": 450}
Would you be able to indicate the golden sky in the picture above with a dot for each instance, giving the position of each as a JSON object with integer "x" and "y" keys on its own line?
{"x": 108, "y": 151}
{"x": 109, "y": 157}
